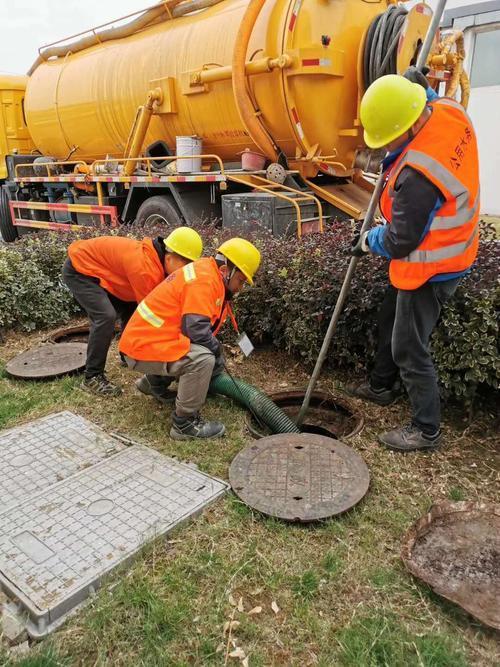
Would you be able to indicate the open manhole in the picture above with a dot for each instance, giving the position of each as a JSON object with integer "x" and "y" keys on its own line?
{"x": 299, "y": 476}
{"x": 326, "y": 416}
{"x": 78, "y": 334}
{"x": 455, "y": 549}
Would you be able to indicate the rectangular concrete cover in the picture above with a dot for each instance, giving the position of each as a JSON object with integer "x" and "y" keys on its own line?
{"x": 58, "y": 542}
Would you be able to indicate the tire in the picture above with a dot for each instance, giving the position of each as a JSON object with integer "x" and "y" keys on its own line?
{"x": 158, "y": 210}
{"x": 7, "y": 229}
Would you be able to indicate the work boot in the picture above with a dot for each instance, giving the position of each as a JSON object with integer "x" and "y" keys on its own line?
{"x": 410, "y": 438}
{"x": 157, "y": 386}
{"x": 99, "y": 384}
{"x": 378, "y": 396}
{"x": 186, "y": 428}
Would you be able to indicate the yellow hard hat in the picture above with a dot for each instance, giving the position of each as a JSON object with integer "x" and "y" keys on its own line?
{"x": 390, "y": 106}
{"x": 185, "y": 242}
{"x": 243, "y": 254}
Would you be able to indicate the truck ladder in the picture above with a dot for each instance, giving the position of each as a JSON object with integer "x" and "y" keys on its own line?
{"x": 262, "y": 184}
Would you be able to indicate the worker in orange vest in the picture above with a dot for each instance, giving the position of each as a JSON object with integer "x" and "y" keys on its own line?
{"x": 109, "y": 276}
{"x": 430, "y": 203}
{"x": 172, "y": 334}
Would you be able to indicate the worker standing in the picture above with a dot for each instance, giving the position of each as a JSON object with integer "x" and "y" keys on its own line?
{"x": 172, "y": 334}
{"x": 430, "y": 203}
{"x": 109, "y": 276}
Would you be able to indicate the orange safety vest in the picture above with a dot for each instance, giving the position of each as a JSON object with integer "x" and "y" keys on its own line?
{"x": 445, "y": 152}
{"x": 153, "y": 333}
{"x": 126, "y": 268}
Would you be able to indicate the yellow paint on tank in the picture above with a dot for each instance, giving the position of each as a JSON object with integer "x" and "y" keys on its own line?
{"x": 14, "y": 136}
{"x": 89, "y": 100}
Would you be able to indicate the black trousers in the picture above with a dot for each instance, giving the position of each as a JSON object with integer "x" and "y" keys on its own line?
{"x": 103, "y": 310}
{"x": 406, "y": 320}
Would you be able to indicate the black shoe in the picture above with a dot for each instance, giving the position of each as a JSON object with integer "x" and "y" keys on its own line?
{"x": 409, "y": 439}
{"x": 367, "y": 393}
{"x": 158, "y": 390}
{"x": 100, "y": 385}
{"x": 186, "y": 428}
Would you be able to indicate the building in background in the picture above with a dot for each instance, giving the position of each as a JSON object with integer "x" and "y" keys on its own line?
{"x": 480, "y": 23}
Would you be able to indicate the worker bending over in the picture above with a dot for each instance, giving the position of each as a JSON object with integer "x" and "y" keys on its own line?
{"x": 430, "y": 202}
{"x": 172, "y": 334}
{"x": 109, "y": 276}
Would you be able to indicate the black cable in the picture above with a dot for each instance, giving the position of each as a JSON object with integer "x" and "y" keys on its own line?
{"x": 380, "y": 50}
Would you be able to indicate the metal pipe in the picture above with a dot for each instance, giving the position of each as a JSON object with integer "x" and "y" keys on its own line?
{"x": 431, "y": 32}
{"x": 422, "y": 59}
{"x": 246, "y": 110}
{"x": 222, "y": 73}
{"x": 141, "y": 127}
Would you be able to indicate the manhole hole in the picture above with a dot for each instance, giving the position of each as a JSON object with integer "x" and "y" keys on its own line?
{"x": 326, "y": 416}
{"x": 78, "y": 334}
{"x": 299, "y": 477}
{"x": 48, "y": 361}
{"x": 455, "y": 549}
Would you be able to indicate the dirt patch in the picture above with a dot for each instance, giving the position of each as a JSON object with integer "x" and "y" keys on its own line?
{"x": 455, "y": 548}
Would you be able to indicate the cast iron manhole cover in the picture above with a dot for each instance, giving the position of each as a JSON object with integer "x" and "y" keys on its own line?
{"x": 299, "y": 477}
{"x": 48, "y": 361}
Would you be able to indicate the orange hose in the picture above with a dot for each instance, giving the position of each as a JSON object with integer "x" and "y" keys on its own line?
{"x": 260, "y": 136}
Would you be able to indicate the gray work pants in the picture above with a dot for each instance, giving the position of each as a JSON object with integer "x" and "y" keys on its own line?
{"x": 405, "y": 323}
{"x": 193, "y": 372}
{"x": 103, "y": 310}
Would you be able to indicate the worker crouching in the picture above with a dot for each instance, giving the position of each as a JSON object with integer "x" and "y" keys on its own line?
{"x": 109, "y": 276}
{"x": 172, "y": 334}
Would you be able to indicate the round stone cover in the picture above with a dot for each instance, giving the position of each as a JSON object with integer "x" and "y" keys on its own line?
{"x": 299, "y": 477}
{"x": 48, "y": 361}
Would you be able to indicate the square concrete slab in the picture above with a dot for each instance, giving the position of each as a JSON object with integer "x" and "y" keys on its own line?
{"x": 58, "y": 544}
{"x": 38, "y": 454}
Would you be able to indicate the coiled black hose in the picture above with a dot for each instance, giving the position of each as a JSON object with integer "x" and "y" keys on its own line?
{"x": 381, "y": 44}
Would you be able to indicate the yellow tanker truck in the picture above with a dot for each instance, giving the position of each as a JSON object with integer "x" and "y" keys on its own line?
{"x": 153, "y": 117}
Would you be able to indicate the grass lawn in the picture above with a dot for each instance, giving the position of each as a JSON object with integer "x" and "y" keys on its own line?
{"x": 334, "y": 593}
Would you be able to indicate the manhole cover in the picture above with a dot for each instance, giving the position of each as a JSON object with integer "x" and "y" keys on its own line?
{"x": 48, "y": 361}
{"x": 45, "y": 451}
{"x": 299, "y": 477}
{"x": 455, "y": 549}
{"x": 56, "y": 546}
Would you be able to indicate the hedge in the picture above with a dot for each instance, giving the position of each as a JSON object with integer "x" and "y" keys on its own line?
{"x": 292, "y": 301}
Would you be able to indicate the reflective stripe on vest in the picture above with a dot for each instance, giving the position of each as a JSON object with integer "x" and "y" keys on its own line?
{"x": 189, "y": 273}
{"x": 429, "y": 256}
{"x": 464, "y": 213}
{"x": 147, "y": 314}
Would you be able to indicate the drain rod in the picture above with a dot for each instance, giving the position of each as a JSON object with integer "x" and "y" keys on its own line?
{"x": 372, "y": 206}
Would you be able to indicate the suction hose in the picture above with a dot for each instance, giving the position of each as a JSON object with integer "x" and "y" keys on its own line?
{"x": 256, "y": 401}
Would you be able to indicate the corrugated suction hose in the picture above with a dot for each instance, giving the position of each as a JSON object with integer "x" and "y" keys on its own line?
{"x": 256, "y": 401}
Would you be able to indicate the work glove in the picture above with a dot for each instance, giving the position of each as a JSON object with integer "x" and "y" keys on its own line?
{"x": 359, "y": 245}
{"x": 417, "y": 76}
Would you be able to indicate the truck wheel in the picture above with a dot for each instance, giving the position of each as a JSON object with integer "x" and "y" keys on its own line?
{"x": 7, "y": 229}
{"x": 158, "y": 210}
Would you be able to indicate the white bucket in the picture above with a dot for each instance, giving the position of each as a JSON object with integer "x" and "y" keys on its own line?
{"x": 188, "y": 146}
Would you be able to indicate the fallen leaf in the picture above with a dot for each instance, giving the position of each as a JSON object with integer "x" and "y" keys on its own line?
{"x": 230, "y": 625}
{"x": 238, "y": 653}
{"x": 220, "y": 647}
{"x": 245, "y": 662}
{"x": 275, "y": 607}
{"x": 255, "y": 610}
{"x": 256, "y": 591}
{"x": 241, "y": 608}
{"x": 231, "y": 600}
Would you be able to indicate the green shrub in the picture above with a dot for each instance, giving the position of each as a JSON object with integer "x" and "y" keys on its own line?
{"x": 292, "y": 301}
